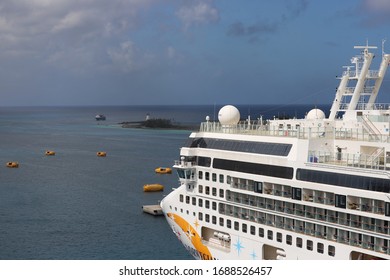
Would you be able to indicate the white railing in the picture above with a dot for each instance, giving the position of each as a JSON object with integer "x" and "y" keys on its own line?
{"x": 365, "y": 106}
{"x": 353, "y": 134}
{"x": 373, "y": 161}
{"x": 262, "y": 130}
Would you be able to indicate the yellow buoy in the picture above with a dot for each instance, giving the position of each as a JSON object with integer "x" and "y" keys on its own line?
{"x": 101, "y": 154}
{"x": 153, "y": 188}
{"x": 12, "y": 164}
{"x": 50, "y": 153}
{"x": 163, "y": 170}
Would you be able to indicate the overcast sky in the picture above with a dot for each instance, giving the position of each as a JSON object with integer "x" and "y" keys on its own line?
{"x": 131, "y": 52}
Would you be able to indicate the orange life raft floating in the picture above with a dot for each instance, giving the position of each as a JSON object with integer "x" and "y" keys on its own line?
{"x": 153, "y": 188}
{"x": 101, "y": 154}
{"x": 50, "y": 153}
{"x": 163, "y": 170}
{"x": 12, "y": 164}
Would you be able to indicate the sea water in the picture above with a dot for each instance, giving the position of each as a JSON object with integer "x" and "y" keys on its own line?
{"x": 75, "y": 205}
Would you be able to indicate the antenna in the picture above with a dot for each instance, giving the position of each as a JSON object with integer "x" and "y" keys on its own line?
{"x": 366, "y": 47}
{"x": 383, "y": 47}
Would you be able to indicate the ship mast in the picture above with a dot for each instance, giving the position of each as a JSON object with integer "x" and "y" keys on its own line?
{"x": 351, "y": 98}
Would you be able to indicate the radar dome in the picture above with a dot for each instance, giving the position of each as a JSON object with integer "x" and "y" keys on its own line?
{"x": 229, "y": 115}
{"x": 315, "y": 114}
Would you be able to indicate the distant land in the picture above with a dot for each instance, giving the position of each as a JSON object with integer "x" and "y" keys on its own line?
{"x": 156, "y": 124}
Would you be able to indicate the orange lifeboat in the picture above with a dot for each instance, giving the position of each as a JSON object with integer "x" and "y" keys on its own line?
{"x": 101, "y": 154}
{"x": 12, "y": 164}
{"x": 153, "y": 188}
{"x": 50, "y": 153}
{"x": 163, "y": 170}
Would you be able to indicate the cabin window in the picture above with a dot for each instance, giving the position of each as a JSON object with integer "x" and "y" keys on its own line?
{"x": 214, "y": 177}
{"x": 289, "y": 239}
{"x": 200, "y": 216}
{"x": 207, "y": 176}
{"x": 258, "y": 188}
{"x": 214, "y": 220}
{"x": 207, "y": 190}
{"x": 253, "y": 230}
{"x": 387, "y": 208}
{"x": 309, "y": 245}
{"x": 221, "y": 222}
{"x": 200, "y": 174}
{"x": 207, "y": 218}
{"x": 200, "y": 189}
{"x": 340, "y": 201}
{"x": 261, "y": 232}
{"x": 270, "y": 234}
{"x": 228, "y": 223}
{"x": 221, "y": 193}
{"x": 299, "y": 242}
{"x": 296, "y": 193}
{"x": 320, "y": 248}
{"x": 194, "y": 201}
{"x": 207, "y": 204}
{"x": 236, "y": 226}
{"x": 181, "y": 198}
{"x": 279, "y": 237}
{"x": 187, "y": 199}
{"x": 200, "y": 202}
{"x": 228, "y": 180}
{"x": 214, "y": 205}
{"x": 214, "y": 191}
{"x": 221, "y": 178}
{"x": 331, "y": 251}
{"x": 244, "y": 228}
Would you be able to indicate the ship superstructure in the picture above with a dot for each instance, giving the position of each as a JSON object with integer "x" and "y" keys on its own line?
{"x": 312, "y": 188}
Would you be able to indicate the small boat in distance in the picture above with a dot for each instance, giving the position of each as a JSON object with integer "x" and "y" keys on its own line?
{"x": 100, "y": 117}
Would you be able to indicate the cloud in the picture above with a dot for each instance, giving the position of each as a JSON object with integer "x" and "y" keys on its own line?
{"x": 70, "y": 20}
{"x": 127, "y": 57}
{"x": 37, "y": 25}
{"x": 264, "y": 27}
{"x": 198, "y": 13}
{"x": 239, "y": 29}
{"x": 374, "y": 12}
{"x": 295, "y": 8}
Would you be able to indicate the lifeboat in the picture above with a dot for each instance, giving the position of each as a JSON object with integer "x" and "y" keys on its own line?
{"x": 163, "y": 170}
{"x": 50, "y": 153}
{"x": 153, "y": 188}
{"x": 101, "y": 154}
{"x": 12, "y": 164}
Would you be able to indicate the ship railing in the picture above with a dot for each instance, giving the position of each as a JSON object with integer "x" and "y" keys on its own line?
{"x": 277, "y": 219}
{"x": 256, "y": 128}
{"x": 367, "y": 90}
{"x": 348, "y": 159}
{"x": 185, "y": 164}
{"x": 370, "y": 74}
{"x": 365, "y": 106}
{"x": 357, "y": 134}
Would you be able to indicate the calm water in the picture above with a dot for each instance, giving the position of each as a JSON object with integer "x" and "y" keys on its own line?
{"x": 76, "y": 205}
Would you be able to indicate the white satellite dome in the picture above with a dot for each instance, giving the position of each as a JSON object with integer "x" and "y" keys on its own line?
{"x": 229, "y": 115}
{"x": 315, "y": 114}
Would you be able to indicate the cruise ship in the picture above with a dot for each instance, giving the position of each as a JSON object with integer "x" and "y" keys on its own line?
{"x": 316, "y": 188}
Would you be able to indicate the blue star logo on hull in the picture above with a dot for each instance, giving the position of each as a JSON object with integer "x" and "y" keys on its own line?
{"x": 238, "y": 246}
{"x": 253, "y": 255}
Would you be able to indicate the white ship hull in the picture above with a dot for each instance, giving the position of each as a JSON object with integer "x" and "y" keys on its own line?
{"x": 316, "y": 188}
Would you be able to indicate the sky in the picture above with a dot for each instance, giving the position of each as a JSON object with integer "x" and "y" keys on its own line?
{"x": 173, "y": 52}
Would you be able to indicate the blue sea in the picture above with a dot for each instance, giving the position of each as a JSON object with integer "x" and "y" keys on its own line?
{"x": 77, "y": 206}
